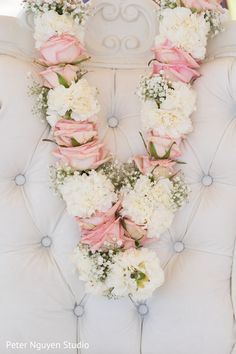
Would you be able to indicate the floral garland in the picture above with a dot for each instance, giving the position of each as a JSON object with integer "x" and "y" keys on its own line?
{"x": 120, "y": 208}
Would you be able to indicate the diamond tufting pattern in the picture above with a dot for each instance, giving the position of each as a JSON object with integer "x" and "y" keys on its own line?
{"x": 41, "y": 297}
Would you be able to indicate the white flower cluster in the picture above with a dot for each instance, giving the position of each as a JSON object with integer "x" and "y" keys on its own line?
{"x": 50, "y": 23}
{"x": 80, "y": 9}
{"x": 87, "y": 193}
{"x": 156, "y": 88}
{"x": 134, "y": 272}
{"x": 172, "y": 118}
{"x": 150, "y": 204}
{"x": 79, "y": 101}
{"x": 180, "y": 191}
{"x": 186, "y": 30}
{"x": 58, "y": 173}
{"x": 216, "y": 21}
{"x": 41, "y": 103}
{"x": 93, "y": 268}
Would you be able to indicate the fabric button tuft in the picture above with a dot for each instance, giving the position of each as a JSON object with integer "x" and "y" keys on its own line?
{"x": 46, "y": 241}
{"x": 79, "y": 310}
{"x": 20, "y": 180}
{"x": 113, "y": 122}
{"x": 179, "y": 247}
{"x": 143, "y": 309}
{"x": 207, "y": 180}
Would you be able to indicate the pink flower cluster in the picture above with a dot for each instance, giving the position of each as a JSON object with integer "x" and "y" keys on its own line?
{"x": 78, "y": 146}
{"x": 203, "y": 4}
{"x": 177, "y": 65}
{"x": 109, "y": 228}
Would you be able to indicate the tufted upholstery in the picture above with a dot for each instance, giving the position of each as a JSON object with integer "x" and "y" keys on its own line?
{"x": 41, "y": 298}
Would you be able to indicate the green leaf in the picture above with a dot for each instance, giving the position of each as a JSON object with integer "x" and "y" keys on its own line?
{"x": 49, "y": 141}
{"x": 181, "y": 162}
{"x": 74, "y": 142}
{"x": 83, "y": 59}
{"x": 68, "y": 115}
{"x": 153, "y": 151}
{"x": 144, "y": 142}
{"x": 167, "y": 154}
{"x": 150, "y": 61}
{"x": 63, "y": 81}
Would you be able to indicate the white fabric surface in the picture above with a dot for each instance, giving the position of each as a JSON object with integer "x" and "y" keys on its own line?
{"x": 194, "y": 311}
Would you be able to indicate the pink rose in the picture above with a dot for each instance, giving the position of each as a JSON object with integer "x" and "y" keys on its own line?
{"x": 108, "y": 229}
{"x": 84, "y": 157}
{"x": 147, "y": 165}
{"x": 104, "y": 230}
{"x": 98, "y": 218}
{"x": 204, "y": 4}
{"x": 175, "y": 72}
{"x": 64, "y": 49}
{"x": 175, "y": 62}
{"x": 167, "y": 53}
{"x": 135, "y": 234}
{"x": 69, "y": 132}
{"x": 165, "y": 146}
{"x": 107, "y": 235}
{"x": 68, "y": 72}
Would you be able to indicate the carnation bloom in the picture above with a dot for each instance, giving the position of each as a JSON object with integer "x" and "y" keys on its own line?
{"x": 186, "y": 30}
{"x": 80, "y": 100}
{"x": 165, "y": 122}
{"x": 136, "y": 273}
{"x": 51, "y": 24}
{"x": 141, "y": 202}
{"x": 87, "y": 194}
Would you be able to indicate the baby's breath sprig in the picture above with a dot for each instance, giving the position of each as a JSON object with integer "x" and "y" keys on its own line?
{"x": 165, "y": 4}
{"x": 41, "y": 94}
{"x": 156, "y": 88}
{"x": 121, "y": 175}
{"x": 79, "y": 9}
{"x": 215, "y": 21}
{"x": 58, "y": 173}
{"x": 180, "y": 191}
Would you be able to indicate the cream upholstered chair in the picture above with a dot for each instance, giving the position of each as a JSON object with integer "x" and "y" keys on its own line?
{"x": 41, "y": 298}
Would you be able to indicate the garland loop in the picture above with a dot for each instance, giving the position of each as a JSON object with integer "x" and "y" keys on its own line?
{"x": 120, "y": 208}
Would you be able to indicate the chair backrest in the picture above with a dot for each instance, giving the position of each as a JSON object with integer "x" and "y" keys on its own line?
{"x": 194, "y": 311}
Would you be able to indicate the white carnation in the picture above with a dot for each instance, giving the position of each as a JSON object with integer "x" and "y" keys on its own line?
{"x": 161, "y": 220}
{"x": 186, "y": 30}
{"x": 80, "y": 99}
{"x": 182, "y": 98}
{"x": 172, "y": 118}
{"x": 84, "y": 102}
{"x": 85, "y": 194}
{"x": 173, "y": 123}
{"x": 136, "y": 273}
{"x": 142, "y": 202}
{"x": 51, "y": 23}
{"x": 88, "y": 271}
